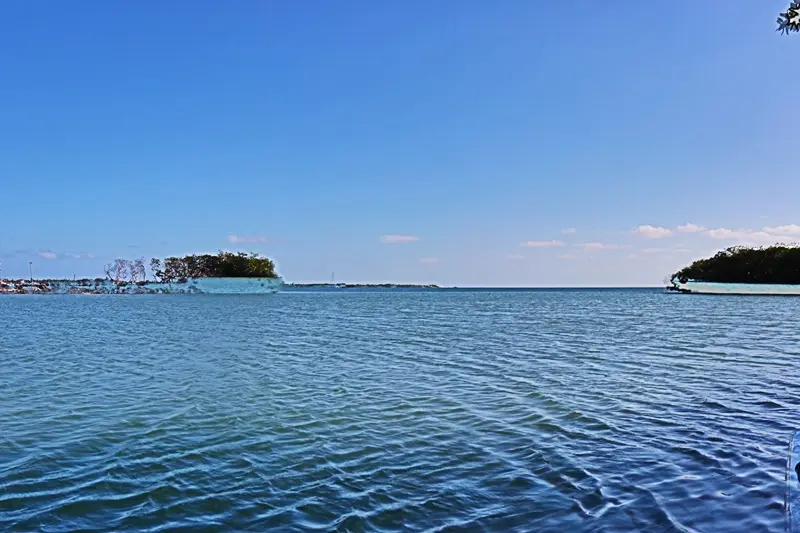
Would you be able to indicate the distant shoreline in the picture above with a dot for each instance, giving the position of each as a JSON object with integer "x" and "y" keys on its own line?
{"x": 361, "y": 286}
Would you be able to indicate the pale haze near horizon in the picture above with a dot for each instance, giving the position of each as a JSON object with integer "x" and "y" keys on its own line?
{"x": 469, "y": 143}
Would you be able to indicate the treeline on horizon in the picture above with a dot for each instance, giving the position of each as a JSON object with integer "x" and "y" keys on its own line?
{"x": 181, "y": 269}
{"x": 778, "y": 264}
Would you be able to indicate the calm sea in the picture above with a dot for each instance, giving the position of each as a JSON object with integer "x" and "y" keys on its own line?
{"x": 563, "y": 411}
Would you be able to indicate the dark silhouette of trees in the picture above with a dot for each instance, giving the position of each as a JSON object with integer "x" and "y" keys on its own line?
{"x": 789, "y": 21}
{"x": 779, "y": 264}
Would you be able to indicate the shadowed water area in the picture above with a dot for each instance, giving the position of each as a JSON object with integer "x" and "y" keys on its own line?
{"x": 613, "y": 411}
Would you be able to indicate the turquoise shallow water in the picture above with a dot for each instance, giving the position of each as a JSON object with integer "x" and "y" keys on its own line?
{"x": 611, "y": 410}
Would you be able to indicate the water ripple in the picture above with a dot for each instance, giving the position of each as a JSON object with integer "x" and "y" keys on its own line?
{"x": 609, "y": 411}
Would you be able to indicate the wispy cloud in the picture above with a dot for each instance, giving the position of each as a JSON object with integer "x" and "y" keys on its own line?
{"x": 247, "y": 239}
{"x": 595, "y": 246}
{"x": 398, "y": 239}
{"x": 569, "y": 231}
{"x": 79, "y": 255}
{"x": 690, "y": 228}
{"x": 745, "y": 236}
{"x": 750, "y": 237}
{"x": 47, "y": 255}
{"x": 725, "y": 233}
{"x": 516, "y": 257}
{"x": 429, "y": 260}
{"x": 567, "y": 257}
{"x": 677, "y": 248}
{"x": 790, "y": 230}
{"x": 652, "y": 232}
{"x": 542, "y": 244}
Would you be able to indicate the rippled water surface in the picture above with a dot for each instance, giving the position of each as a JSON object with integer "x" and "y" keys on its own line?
{"x": 609, "y": 411}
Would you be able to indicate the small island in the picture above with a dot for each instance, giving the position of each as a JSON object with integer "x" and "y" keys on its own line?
{"x": 742, "y": 265}
{"x": 223, "y": 273}
{"x": 221, "y": 265}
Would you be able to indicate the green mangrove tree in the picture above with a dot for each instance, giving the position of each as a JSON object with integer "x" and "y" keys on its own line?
{"x": 221, "y": 265}
{"x": 778, "y": 264}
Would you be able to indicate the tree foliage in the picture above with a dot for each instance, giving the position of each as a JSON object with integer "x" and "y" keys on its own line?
{"x": 779, "y": 264}
{"x": 180, "y": 269}
{"x": 221, "y": 265}
{"x": 789, "y": 21}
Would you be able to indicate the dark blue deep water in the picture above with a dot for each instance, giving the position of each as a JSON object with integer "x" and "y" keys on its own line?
{"x": 614, "y": 411}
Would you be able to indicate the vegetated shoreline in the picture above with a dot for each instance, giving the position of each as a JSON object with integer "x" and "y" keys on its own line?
{"x": 769, "y": 270}
{"x": 243, "y": 273}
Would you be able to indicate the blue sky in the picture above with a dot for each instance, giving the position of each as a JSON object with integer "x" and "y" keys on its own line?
{"x": 465, "y": 142}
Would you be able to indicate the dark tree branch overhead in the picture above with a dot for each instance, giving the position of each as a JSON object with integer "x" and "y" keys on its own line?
{"x": 789, "y": 21}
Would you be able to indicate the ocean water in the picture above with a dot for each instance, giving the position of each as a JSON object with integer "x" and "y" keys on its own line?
{"x": 604, "y": 410}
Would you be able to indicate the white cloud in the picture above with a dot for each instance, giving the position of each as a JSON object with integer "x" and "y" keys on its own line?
{"x": 652, "y": 232}
{"x": 47, "y": 255}
{"x": 398, "y": 239}
{"x": 790, "y": 230}
{"x": 567, "y": 257}
{"x": 429, "y": 260}
{"x": 247, "y": 239}
{"x": 515, "y": 257}
{"x": 690, "y": 228}
{"x": 592, "y": 246}
{"x": 744, "y": 236}
{"x": 569, "y": 231}
{"x": 723, "y": 233}
{"x": 669, "y": 251}
{"x": 80, "y": 255}
{"x": 542, "y": 244}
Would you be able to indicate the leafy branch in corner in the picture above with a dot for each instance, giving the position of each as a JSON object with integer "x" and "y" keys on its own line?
{"x": 790, "y": 20}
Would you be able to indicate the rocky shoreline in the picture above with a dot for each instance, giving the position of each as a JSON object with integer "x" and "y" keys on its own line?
{"x": 61, "y": 286}
{"x": 18, "y": 286}
{"x": 105, "y": 286}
